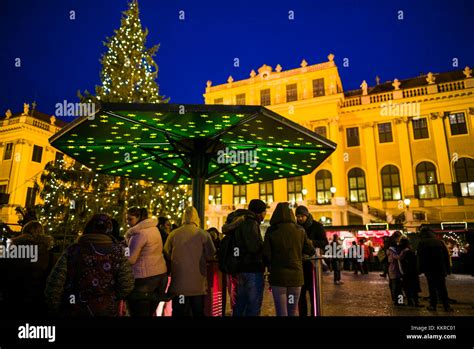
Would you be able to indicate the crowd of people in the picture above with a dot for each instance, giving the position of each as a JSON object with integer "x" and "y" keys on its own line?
{"x": 106, "y": 274}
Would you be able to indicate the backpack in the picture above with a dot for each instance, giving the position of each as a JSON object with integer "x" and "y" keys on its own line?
{"x": 228, "y": 255}
{"x": 91, "y": 279}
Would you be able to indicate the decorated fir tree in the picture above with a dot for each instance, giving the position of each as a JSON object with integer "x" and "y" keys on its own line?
{"x": 71, "y": 192}
{"x": 128, "y": 70}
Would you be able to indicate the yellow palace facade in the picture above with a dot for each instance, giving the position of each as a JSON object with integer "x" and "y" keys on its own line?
{"x": 24, "y": 151}
{"x": 405, "y": 148}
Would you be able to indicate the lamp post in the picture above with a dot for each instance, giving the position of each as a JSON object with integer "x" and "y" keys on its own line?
{"x": 408, "y": 216}
{"x": 304, "y": 192}
{"x": 407, "y": 203}
{"x": 332, "y": 190}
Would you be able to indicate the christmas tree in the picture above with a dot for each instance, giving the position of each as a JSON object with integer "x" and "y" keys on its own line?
{"x": 128, "y": 70}
{"x": 71, "y": 192}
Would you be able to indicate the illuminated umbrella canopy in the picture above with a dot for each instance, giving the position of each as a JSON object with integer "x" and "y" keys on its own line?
{"x": 183, "y": 144}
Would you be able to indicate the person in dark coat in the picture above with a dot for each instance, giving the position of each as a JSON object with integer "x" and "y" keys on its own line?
{"x": 409, "y": 270}
{"x": 336, "y": 246}
{"x": 394, "y": 274}
{"x": 214, "y": 233}
{"x": 383, "y": 256}
{"x": 284, "y": 246}
{"x": 92, "y": 275}
{"x": 316, "y": 233}
{"x": 246, "y": 286}
{"x": 25, "y": 278}
{"x": 470, "y": 250}
{"x": 164, "y": 226}
{"x": 434, "y": 263}
{"x": 116, "y": 232}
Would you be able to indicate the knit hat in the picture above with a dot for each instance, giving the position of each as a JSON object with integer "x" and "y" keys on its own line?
{"x": 257, "y": 206}
{"x": 302, "y": 210}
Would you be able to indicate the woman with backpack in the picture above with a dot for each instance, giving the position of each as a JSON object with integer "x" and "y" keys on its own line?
{"x": 91, "y": 276}
{"x": 283, "y": 249}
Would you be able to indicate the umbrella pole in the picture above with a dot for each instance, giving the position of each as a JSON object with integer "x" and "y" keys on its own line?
{"x": 199, "y": 191}
{"x": 199, "y": 171}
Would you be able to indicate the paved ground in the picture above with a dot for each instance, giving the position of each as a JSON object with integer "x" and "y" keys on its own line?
{"x": 368, "y": 295}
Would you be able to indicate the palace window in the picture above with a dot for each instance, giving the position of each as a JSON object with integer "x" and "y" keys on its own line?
{"x": 266, "y": 192}
{"x": 58, "y": 157}
{"x": 323, "y": 186}
{"x": 30, "y": 197}
{"x": 215, "y": 194}
{"x": 295, "y": 187}
{"x": 291, "y": 93}
{"x": 420, "y": 128}
{"x": 37, "y": 153}
{"x": 385, "y": 132}
{"x": 240, "y": 194}
{"x": 464, "y": 170}
{"x": 352, "y": 134}
{"x": 240, "y": 99}
{"x": 219, "y": 101}
{"x": 8, "y": 151}
{"x": 318, "y": 87}
{"x": 357, "y": 189}
{"x": 391, "y": 183}
{"x": 321, "y": 130}
{"x": 427, "y": 182}
{"x": 265, "y": 97}
{"x": 458, "y": 125}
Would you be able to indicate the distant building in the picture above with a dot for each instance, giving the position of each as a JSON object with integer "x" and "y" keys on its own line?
{"x": 24, "y": 151}
{"x": 405, "y": 148}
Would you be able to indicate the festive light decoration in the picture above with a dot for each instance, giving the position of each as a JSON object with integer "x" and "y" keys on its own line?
{"x": 67, "y": 207}
{"x": 72, "y": 192}
{"x": 128, "y": 70}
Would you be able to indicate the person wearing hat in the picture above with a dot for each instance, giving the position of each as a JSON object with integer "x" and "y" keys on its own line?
{"x": 316, "y": 233}
{"x": 246, "y": 286}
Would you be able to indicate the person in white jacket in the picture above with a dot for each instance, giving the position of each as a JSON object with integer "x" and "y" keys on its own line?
{"x": 148, "y": 264}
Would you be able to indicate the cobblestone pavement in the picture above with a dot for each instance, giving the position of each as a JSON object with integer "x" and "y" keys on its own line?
{"x": 368, "y": 295}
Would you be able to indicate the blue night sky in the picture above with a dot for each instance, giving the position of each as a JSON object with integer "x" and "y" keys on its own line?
{"x": 60, "y": 56}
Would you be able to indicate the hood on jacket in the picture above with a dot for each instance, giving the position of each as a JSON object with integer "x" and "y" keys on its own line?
{"x": 234, "y": 219}
{"x": 282, "y": 214}
{"x": 426, "y": 233}
{"x": 308, "y": 223}
{"x": 190, "y": 216}
{"x": 146, "y": 223}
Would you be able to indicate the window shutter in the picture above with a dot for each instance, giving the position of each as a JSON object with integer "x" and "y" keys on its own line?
{"x": 457, "y": 190}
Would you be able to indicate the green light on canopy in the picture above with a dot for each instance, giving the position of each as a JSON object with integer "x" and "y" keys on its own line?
{"x": 169, "y": 147}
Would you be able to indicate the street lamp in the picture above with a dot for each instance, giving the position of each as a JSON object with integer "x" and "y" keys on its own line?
{"x": 304, "y": 192}
{"x": 211, "y": 197}
{"x": 323, "y": 219}
{"x": 407, "y": 202}
{"x": 332, "y": 190}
